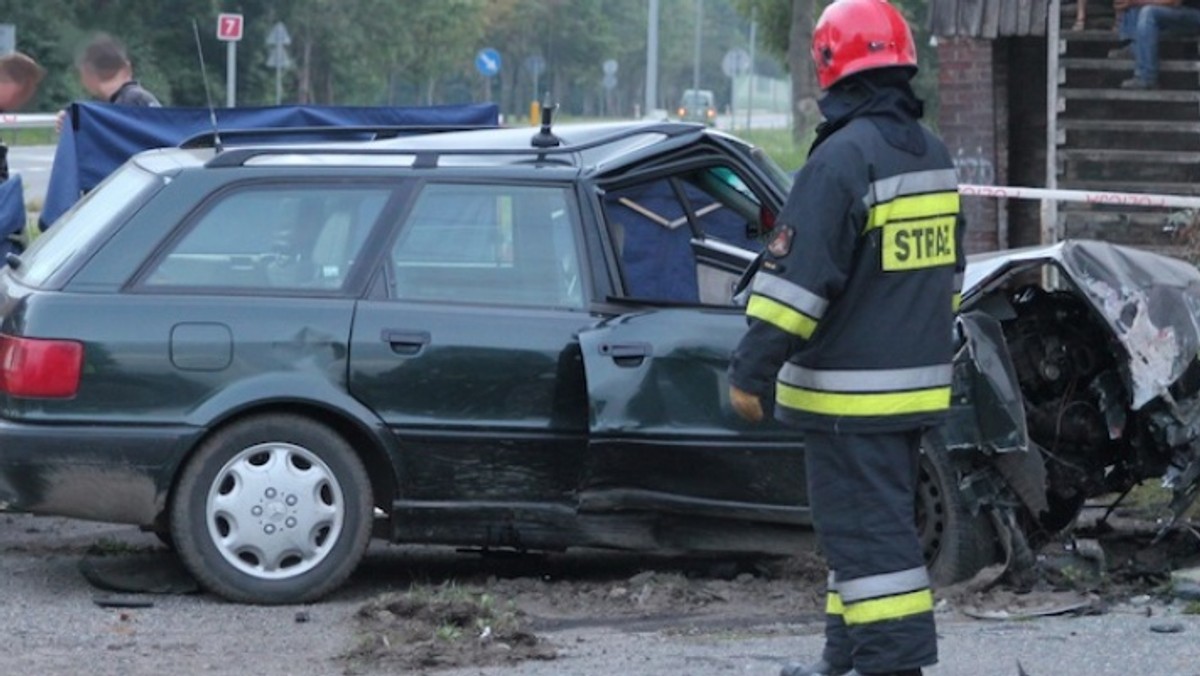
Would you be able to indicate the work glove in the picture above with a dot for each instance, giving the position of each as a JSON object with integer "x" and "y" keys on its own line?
{"x": 748, "y": 406}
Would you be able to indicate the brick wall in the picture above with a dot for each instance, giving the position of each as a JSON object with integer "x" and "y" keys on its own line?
{"x": 973, "y": 121}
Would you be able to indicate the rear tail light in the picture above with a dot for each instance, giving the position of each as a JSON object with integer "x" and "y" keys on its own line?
{"x": 31, "y": 367}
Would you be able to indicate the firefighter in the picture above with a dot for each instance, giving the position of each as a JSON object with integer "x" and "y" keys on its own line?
{"x": 850, "y": 317}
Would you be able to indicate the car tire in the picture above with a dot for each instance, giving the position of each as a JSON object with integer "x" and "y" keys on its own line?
{"x": 273, "y": 509}
{"x": 956, "y": 543}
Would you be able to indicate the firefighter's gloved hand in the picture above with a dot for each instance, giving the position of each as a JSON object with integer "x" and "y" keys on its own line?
{"x": 747, "y": 405}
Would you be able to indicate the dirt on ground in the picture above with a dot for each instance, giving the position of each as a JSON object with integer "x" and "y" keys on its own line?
{"x": 450, "y": 609}
{"x": 494, "y": 616}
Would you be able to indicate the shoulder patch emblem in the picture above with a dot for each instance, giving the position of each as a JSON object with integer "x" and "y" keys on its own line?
{"x": 781, "y": 243}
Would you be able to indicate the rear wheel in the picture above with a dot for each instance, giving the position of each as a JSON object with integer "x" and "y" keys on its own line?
{"x": 956, "y": 543}
{"x": 272, "y": 509}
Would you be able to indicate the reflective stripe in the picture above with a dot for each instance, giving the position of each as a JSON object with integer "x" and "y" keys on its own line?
{"x": 955, "y": 301}
{"x": 833, "y": 604}
{"x": 913, "y": 208}
{"x": 913, "y": 183}
{"x": 866, "y": 380}
{"x": 889, "y": 608}
{"x": 887, "y": 584}
{"x": 788, "y": 293}
{"x": 780, "y": 315}
{"x": 837, "y": 404}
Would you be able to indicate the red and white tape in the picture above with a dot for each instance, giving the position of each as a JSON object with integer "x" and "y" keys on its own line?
{"x": 1133, "y": 199}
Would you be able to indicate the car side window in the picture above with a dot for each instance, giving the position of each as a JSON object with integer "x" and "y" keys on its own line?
{"x": 659, "y": 226}
{"x": 293, "y": 238}
{"x": 489, "y": 244}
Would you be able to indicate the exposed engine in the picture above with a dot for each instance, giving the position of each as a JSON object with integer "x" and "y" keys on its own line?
{"x": 1067, "y": 371}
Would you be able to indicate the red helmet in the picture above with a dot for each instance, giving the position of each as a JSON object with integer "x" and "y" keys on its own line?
{"x": 856, "y": 35}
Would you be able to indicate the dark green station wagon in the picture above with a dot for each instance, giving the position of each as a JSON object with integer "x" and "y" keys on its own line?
{"x": 504, "y": 338}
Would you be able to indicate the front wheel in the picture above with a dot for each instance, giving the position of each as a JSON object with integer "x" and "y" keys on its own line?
{"x": 956, "y": 543}
{"x": 272, "y": 509}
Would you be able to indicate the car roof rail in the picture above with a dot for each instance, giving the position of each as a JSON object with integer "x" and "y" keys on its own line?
{"x": 428, "y": 157}
{"x": 207, "y": 139}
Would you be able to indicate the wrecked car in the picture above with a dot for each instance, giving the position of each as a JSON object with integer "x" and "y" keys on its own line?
{"x": 517, "y": 339}
{"x": 1077, "y": 377}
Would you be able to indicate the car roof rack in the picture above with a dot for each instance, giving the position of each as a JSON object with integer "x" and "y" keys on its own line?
{"x": 208, "y": 139}
{"x": 428, "y": 157}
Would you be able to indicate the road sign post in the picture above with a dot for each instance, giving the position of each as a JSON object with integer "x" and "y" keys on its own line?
{"x": 229, "y": 30}
{"x": 487, "y": 61}
{"x": 278, "y": 40}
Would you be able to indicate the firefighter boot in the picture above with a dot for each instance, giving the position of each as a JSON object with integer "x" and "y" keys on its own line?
{"x": 821, "y": 668}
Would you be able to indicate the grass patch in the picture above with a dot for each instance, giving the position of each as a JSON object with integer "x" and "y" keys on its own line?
{"x": 30, "y": 137}
{"x": 779, "y": 145}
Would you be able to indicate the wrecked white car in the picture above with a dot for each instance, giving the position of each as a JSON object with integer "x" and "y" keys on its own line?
{"x": 1077, "y": 376}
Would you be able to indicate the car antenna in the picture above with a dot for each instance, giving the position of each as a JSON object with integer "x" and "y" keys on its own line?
{"x": 212, "y": 112}
{"x": 545, "y": 138}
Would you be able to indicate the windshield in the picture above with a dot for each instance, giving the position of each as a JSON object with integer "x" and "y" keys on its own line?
{"x": 76, "y": 229}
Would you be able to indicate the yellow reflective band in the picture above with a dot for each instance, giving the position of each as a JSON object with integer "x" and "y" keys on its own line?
{"x": 912, "y": 245}
{"x": 955, "y": 301}
{"x": 833, "y": 604}
{"x": 917, "y": 206}
{"x": 782, "y": 316}
{"x": 859, "y": 404}
{"x": 889, "y": 608}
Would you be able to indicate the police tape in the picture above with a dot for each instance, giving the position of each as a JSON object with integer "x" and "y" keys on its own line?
{"x": 27, "y": 120}
{"x": 1133, "y": 199}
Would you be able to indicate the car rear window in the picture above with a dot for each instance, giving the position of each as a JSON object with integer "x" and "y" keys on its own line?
{"x": 88, "y": 220}
{"x": 267, "y": 237}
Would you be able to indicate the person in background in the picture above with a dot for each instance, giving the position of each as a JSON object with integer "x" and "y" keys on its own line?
{"x": 1144, "y": 22}
{"x": 106, "y": 73}
{"x": 19, "y": 79}
{"x": 851, "y": 316}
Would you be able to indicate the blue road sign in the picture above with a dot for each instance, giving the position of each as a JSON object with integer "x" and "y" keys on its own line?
{"x": 488, "y": 62}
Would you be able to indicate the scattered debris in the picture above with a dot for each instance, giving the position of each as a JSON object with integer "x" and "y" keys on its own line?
{"x": 444, "y": 627}
{"x": 1167, "y": 628}
{"x": 143, "y": 572}
{"x": 122, "y": 601}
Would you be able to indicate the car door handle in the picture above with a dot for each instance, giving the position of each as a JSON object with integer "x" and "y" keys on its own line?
{"x": 626, "y": 354}
{"x": 406, "y": 343}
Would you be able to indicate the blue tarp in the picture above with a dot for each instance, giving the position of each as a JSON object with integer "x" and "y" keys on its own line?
{"x": 101, "y": 136}
{"x": 12, "y": 212}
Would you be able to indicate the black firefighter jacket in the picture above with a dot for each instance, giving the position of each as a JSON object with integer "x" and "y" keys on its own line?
{"x": 851, "y": 309}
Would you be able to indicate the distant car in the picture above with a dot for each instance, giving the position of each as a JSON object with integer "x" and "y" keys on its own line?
{"x": 698, "y": 105}
{"x": 516, "y": 338}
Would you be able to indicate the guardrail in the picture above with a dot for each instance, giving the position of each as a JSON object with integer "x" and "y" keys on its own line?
{"x": 27, "y": 121}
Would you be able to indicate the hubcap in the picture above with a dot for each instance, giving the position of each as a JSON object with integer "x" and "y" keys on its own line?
{"x": 275, "y": 510}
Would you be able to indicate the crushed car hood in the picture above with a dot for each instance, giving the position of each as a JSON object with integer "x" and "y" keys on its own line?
{"x": 1150, "y": 301}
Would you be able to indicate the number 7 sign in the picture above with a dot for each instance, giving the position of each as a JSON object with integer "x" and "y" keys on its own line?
{"x": 229, "y": 27}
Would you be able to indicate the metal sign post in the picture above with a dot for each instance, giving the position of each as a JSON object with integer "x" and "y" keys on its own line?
{"x": 277, "y": 41}
{"x": 229, "y": 30}
{"x": 487, "y": 62}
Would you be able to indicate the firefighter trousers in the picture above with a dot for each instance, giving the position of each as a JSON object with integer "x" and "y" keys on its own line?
{"x": 879, "y": 607}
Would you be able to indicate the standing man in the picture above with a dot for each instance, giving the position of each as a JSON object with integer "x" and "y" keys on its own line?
{"x": 19, "y": 79}
{"x": 851, "y": 316}
{"x": 107, "y": 73}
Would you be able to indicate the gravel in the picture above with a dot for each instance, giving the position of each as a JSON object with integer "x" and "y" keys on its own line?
{"x": 53, "y": 626}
